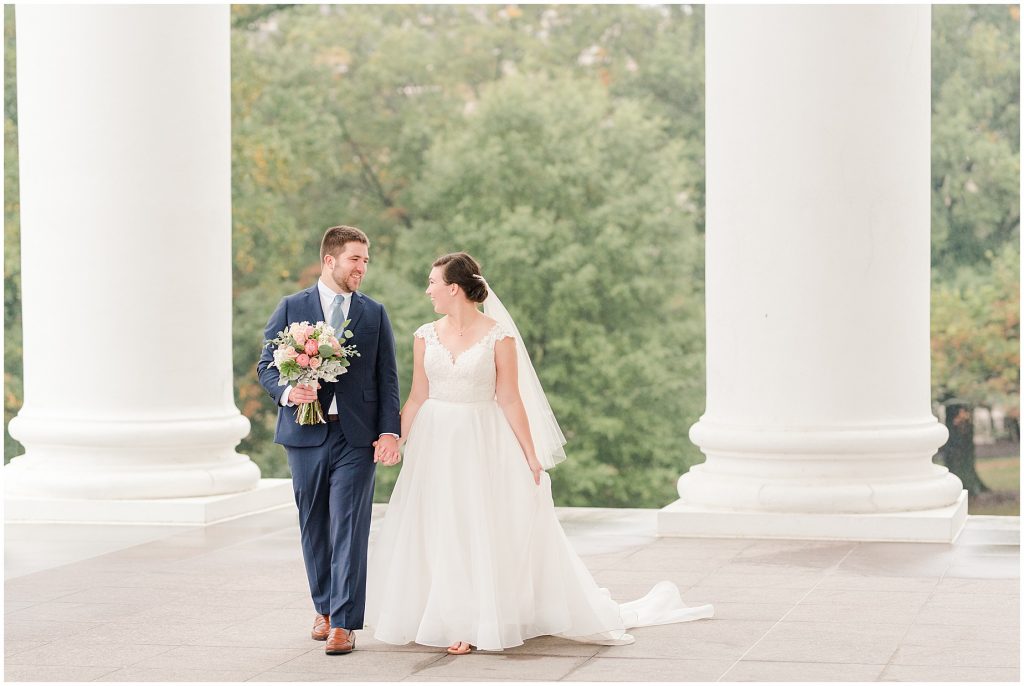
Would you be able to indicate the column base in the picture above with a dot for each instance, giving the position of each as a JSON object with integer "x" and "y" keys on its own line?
{"x": 128, "y": 459}
{"x": 940, "y": 525}
{"x": 269, "y": 494}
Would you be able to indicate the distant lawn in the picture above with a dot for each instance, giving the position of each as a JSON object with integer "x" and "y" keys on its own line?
{"x": 1002, "y": 475}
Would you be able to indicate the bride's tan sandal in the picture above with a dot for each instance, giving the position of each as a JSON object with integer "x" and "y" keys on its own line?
{"x": 460, "y": 650}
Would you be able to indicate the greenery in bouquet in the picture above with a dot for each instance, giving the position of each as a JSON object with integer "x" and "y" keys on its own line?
{"x": 307, "y": 354}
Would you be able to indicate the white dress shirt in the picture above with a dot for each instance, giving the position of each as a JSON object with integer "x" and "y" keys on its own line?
{"x": 326, "y": 303}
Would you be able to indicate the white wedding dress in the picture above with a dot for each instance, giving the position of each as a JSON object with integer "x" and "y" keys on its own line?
{"x": 470, "y": 548}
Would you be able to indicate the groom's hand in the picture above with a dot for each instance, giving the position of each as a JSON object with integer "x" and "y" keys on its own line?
{"x": 386, "y": 450}
{"x": 303, "y": 394}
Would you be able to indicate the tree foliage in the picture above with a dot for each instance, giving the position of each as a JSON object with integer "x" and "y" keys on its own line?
{"x": 563, "y": 145}
{"x": 976, "y": 204}
{"x": 976, "y": 333}
{"x": 569, "y": 197}
{"x": 534, "y": 138}
{"x": 12, "y": 242}
{"x": 975, "y": 133}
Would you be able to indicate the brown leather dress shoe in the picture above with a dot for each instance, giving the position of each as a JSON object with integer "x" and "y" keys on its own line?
{"x": 340, "y": 641}
{"x": 321, "y": 627}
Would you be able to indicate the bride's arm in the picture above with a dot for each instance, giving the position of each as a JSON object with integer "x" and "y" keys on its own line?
{"x": 511, "y": 403}
{"x": 420, "y": 387}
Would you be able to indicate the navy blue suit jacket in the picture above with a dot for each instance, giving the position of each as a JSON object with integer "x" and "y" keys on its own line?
{"x": 368, "y": 398}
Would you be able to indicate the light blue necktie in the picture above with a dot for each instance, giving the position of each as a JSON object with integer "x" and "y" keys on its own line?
{"x": 337, "y": 312}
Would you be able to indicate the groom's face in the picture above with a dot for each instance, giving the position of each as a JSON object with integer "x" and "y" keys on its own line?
{"x": 349, "y": 267}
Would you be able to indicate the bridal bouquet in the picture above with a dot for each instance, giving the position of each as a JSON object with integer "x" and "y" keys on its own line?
{"x": 307, "y": 353}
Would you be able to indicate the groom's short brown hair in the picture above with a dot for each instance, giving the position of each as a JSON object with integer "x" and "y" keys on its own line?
{"x": 336, "y": 237}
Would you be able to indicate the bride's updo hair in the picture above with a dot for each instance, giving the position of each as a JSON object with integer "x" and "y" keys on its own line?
{"x": 461, "y": 269}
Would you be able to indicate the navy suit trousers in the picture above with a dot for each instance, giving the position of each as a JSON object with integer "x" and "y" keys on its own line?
{"x": 333, "y": 486}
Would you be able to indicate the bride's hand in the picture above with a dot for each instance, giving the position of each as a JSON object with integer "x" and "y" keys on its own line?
{"x": 535, "y": 468}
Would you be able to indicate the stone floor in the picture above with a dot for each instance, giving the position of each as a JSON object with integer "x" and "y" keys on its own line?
{"x": 228, "y": 603}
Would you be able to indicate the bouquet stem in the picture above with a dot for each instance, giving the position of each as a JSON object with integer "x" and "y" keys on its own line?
{"x": 310, "y": 413}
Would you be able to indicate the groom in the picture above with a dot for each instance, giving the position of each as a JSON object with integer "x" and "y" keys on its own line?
{"x": 333, "y": 464}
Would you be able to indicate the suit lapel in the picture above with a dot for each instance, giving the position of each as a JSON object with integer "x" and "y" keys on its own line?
{"x": 316, "y": 310}
{"x": 355, "y": 310}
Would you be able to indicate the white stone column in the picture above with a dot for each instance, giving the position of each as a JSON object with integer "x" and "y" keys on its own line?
{"x": 818, "y": 421}
{"x": 125, "y": 149}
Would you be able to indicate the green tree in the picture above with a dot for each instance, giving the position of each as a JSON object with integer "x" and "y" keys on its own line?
{"x": 976, "y": 352}
{"x": 571, "y": 200}
{"x": 336, "y": 108}
{"x": 12, "y": 242}
{"x": 976, "y": 333}
{"x": 975, "y": 133}
{"x": 975, "y": 219}
{"x": 562, "y": 145}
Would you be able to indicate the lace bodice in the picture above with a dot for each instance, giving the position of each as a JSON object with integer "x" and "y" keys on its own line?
{"x": 468, "y": 378}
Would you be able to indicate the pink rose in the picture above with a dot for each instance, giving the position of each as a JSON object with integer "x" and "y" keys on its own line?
{"x": 334, "y": 343}
{"x": 312, "y": 346}
{"x": 298, "y": 332}
{"x": 289, "y": 352}
{"x": 309, "y": 330}
{"x": 314, "y": 362}
{"x": 303, "y": 360}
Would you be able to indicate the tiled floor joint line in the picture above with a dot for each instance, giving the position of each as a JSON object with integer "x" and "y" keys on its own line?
{"x": 913, "y": 621}
{"x": 831, "y": 569}
{"x": 577, "y": 667}
{"x": 106, "y": 674}
{"x": 440, "y": 656}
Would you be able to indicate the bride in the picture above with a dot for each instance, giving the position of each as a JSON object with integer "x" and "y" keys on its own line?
{"x": 470, "y": 553}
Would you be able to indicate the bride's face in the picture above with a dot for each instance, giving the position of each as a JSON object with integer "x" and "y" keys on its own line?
{"x": 439, "y": 292}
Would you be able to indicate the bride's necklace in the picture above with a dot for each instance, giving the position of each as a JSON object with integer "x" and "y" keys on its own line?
{"x": 466, "y": 328}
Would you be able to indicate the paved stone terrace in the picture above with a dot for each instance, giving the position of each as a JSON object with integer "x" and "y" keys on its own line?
{"x": 228, "y": 603}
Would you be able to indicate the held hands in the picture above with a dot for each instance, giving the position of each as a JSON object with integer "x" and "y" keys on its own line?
{"x": 385, "y": 451}
{"x": 302, "y": 394}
